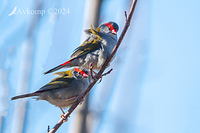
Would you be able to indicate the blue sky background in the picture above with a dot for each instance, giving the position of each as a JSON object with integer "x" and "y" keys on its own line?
{"x": 154, "y": 87}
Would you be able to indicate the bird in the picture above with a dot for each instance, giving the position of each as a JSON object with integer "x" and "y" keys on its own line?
{"x": 63, "y": 90}
{"x": 95, "y": 49}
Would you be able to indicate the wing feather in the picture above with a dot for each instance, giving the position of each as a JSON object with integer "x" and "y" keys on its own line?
{"x": 57, "y": 83}
{"x": 89, "y": 45}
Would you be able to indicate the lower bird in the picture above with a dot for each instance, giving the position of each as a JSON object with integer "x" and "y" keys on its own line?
{"x": 63, "y": 90}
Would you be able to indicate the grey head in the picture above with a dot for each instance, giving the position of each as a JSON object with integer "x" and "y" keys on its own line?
{"x": 110, "y": 28}
{"x": 80, "y": 73}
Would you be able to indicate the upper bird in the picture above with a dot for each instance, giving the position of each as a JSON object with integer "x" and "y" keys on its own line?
{"x": 63, "y": 90}
{"x": 95, "y": 49}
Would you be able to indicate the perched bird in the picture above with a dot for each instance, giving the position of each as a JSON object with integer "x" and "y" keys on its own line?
{"x": 63, "y": 90}
{"x": 95, "y": 49}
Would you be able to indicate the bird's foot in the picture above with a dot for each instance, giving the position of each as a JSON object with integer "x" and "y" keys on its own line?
{"x": 64, "y": 118}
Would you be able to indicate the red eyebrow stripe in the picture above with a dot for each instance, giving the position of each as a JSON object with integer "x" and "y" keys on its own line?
{"x": 81, "y": 71}
{"x": 110, "y": 26}
{"x": 76, "y": 69}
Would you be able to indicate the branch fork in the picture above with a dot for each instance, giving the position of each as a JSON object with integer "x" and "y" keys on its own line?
{"x": 100, "y": 73}
{"x": 94, "y": 77}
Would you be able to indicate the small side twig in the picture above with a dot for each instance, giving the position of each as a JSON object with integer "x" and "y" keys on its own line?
{"x": 48, "y": 129}
{"x": 125, "y": 16}
{"x": 108, "y": 72}
{"x": 99, "y": 74}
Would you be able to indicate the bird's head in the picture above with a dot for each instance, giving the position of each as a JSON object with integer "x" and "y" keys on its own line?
{"x": 79, "y": 72}
{"x": 109, "y": 28}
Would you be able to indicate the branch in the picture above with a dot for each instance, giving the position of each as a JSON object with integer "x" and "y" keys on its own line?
{"x": 105, "y": 74}
{"x": 99, "y": 74}
{"x": 48, "y": 129}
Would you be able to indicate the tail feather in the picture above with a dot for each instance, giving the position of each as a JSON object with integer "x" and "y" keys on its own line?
{"x": 61, "y": 65}
{"x": 25, "y": 95}
{"x": 54, "y": 69}
{"x": 58, "y": 67}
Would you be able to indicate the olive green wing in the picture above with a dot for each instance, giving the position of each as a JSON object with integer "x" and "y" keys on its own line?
{"x": 86, "y": 48}
{"x": 92, "y": 30}
{"x": 89, "y": 45}
{"x": 57, "y": 83}
{"x": 64, "y": 73}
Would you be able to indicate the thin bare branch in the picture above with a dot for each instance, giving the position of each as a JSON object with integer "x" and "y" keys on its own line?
{"x": 107, "y": 72}
{"x": 99, "y": 74}
{"x": 105, "y": 75}
{"x": 125, "y": 16}
{"x": 48, "y": 129}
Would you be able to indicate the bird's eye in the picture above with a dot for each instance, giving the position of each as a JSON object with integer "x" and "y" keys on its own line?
{"x": 79, "y": 73}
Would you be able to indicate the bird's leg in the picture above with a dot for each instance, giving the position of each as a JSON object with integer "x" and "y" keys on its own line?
{"x": 62, "y": 110}
{"x": 62, "y": 116}
{"x": 94, "y": 73}
{"x": 91, "y": 70}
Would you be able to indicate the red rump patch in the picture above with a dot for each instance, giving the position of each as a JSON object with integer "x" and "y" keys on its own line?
{"x": 65, "y": 63}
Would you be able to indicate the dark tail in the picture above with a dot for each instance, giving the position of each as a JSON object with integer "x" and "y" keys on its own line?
{"x": 25, "y": 95}
{"x": 54, "y": 69}
{"x": 59, "y": 67}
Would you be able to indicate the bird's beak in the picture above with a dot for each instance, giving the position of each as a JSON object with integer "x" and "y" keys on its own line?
{"x": 113, "y": 31}
{"x": 85, "y": 75}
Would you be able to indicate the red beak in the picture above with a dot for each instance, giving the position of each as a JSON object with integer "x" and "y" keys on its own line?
{"x": 113, "y": 31}
{"x": 85, "y": 75}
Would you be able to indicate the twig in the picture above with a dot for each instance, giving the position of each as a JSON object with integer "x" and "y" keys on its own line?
{"x": 48, "y": 129}
{"x": 105, "y": 75}
{"x": 107, "y": 72}
{"x": 125, "y": 16}
{"x": 98, "y": 76}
